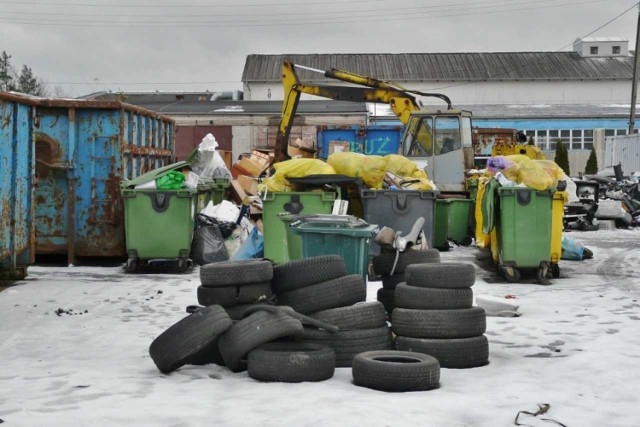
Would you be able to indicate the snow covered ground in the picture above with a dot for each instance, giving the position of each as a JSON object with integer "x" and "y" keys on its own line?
{"x": 576, "y": 347}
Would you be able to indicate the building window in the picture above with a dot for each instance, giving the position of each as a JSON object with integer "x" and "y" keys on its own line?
{"x": 615, "y": 50}
{"x": 576, "y": 139}
{"x": 541, "y": 139}
{"x": 593, "y": 50}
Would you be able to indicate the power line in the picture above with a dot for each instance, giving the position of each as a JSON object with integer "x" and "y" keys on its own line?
{"x": 159, "y": 6}
{"x": 450, "y": 6}
{"x": 236, "y": 24}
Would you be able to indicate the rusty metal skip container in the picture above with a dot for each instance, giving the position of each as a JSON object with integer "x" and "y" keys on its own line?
{"x": 83, "y": 149}
{"x": 17, "y": 237}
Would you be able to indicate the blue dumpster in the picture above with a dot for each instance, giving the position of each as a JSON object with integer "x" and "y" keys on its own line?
{"x": 373, "y": 140}
{"x": 16, "y": 186}
{"x": 83, "y": 149}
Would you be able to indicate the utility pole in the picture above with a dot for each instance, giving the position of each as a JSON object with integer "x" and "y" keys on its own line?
{"x": 634, "y": 84}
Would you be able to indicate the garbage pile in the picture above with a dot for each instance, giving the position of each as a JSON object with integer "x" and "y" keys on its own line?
{"x": 300, "y": 320}
{"x": 618, "y": 199}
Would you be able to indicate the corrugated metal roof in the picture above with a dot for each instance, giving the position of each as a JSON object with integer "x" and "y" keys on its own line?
{"x": 198, "y": 103}
{"x": 445, "y": 66}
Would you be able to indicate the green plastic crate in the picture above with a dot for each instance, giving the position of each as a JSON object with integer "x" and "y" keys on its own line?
{"x": 276, "y": 206}
{"x": 342, "y": 235}
{"x": 158, "y": 223}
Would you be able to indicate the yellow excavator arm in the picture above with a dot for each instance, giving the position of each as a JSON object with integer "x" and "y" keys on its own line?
{"x": 401, "y": 101}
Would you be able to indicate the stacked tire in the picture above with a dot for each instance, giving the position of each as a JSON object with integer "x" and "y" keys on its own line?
{"x": 383, "y": 265}
{"x": 434, "y": 315}
{"x": 321, "y": 288}
{"x": 235, "y": 285}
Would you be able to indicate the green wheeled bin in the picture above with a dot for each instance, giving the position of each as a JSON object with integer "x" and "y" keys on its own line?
{"x": 523, "y": 223}
{"x": 158, "y": 223}
{"x": 452, "y": 221}
{"x": 219, "y": 189}
{"x": 343, "y": 235}
{"x": 203, "y": 197}
{"x": 277, "y": 210}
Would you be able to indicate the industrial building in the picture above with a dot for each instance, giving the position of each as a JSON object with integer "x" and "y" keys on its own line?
{"x": 579, "y": 96}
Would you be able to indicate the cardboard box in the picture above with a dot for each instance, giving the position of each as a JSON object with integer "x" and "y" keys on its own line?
{"x": 257, "y": 163}
{"x": 339, "y": 147}
{"x": 237, "y": 193}
{"x": 248, "y": 184}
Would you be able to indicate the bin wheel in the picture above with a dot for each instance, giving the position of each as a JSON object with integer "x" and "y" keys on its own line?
{"x": 555, "y": 271}
{"x": 132, "y": 265}
{"x": 541, "y": 275}
{"x": 511, "y": 274}
{"x": 183, "y": 264}
{"x": 466, "y": 241}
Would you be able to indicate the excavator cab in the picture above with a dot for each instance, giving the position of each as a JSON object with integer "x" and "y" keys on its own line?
{"x": 440, "y": 142}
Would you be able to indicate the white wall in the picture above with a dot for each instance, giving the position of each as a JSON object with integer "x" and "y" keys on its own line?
{"x": 604, "y": 48}
{"x": 502, "y": 92}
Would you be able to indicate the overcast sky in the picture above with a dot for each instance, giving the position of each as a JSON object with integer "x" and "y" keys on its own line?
{"x": 195, "y": 45}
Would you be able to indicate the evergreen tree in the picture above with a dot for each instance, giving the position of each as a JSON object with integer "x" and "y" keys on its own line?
{"x": 6, "y": 73}
{"x": 28, "y": 83}
{"x": 562, "y": 157}
{"x": 592, "y": 163}
{"x": 531, "y": 141}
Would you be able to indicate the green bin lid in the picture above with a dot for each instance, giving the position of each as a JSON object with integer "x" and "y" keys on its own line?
{"x": 333, "y": 224}
{"x": 152, "y": 175}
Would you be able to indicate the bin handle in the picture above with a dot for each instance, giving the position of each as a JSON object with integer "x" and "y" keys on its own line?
{"x": 523, "y": 197}
{"x": 159, "y": 201}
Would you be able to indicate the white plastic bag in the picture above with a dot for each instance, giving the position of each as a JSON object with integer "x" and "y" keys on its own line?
{"x": 207, "y": 162}
{"x": 225, "y": 211}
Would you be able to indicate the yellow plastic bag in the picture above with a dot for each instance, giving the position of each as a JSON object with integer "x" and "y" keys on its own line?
{"x": 526, "y": 171}
{"x": 482, "y": 240}
{"x": 294, "y": 168}
{"x": 370, "y": 168}
{"x": 552, "y": 169}
{"x": 400, "y": 165}
{"x": 423, "y": 184}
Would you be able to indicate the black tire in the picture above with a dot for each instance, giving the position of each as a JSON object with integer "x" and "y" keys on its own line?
{"x": 367, "y": 315}
{"x": 228, "y": 273}
{"x": 291, "y": 362}
{"x": 432, "y": 298}
{"x": 445, "y": 275}
{"x": 462, "y": 323}
{"x": 387, "y": 298}
{"x": 390, "y": 282}
{"x": 237, "y": 311}
{"x": 225, "y": 296}
{"x": 458, "y": 353}
{"x": 307, "y": 271}
{"x": 178, "y": 344}
{"x": 382, "y": 264}
{"x": 256, "y": 329}
{"x": 339, "y": 292}
{"x": 396, "y": 371}
{"x": 253, "y": 293}
{"x": 346, "y": 344}
{"x": 207, "y": 355}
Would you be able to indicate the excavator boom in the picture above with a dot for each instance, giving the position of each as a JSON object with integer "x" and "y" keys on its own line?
{"x": 400, "y": 101}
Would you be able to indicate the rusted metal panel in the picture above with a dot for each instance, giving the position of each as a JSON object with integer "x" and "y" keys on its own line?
{"x": 16, "y": 184}
{"x": 83, "y": 151}
{"x": 485, "y": 138}
{"x": 188, "y": 138}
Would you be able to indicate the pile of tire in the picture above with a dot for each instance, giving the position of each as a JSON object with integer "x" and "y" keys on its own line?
{"x": 434, "y": 315}
{"x": 321, "y": 288}
{"x": 383, "y": 265}
{"x": 235, "y": 285}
